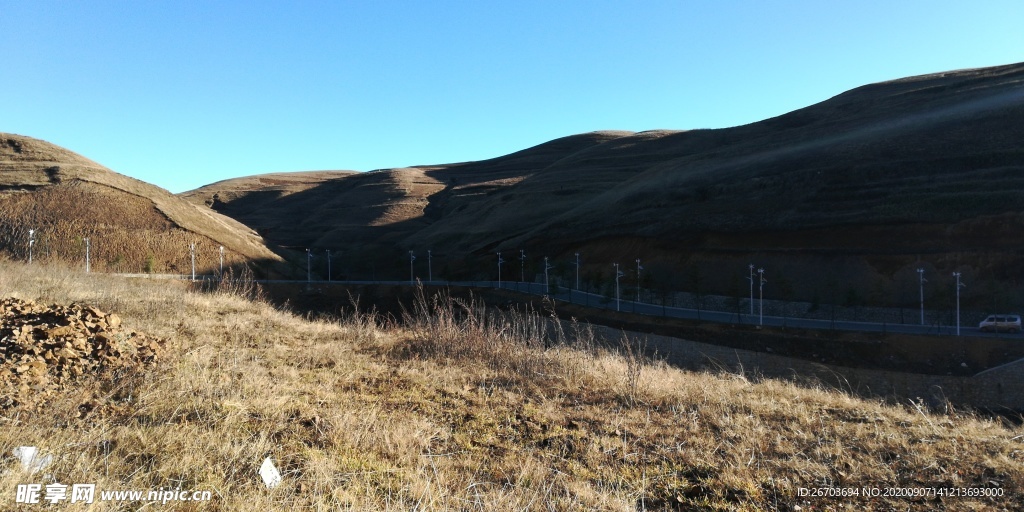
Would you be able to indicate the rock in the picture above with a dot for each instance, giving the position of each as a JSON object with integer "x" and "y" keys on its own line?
{"x": 64, "y": 330}
{"x": 44, "y": 349}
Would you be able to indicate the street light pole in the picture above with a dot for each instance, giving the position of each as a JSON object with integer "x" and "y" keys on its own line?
{"x": 617, "y": 276}
{"x": 309, "y": 263}
{"x": 958, "y": 286}
{"x": 500, "y": 261}
{"x": 547, "y": 281}
{"x": 760, "y": 320}
{"x": 522, "y": 270}
{"x": 921, "y": 279}
{"x": 638, "y": 269}
{"x": 522, "y": 265}
{"x": 412, "y": 258}
{"x": 751, "y": 278}
{"x": 577, "y": 271}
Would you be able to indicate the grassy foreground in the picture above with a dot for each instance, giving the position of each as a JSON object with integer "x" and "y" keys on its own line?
{"x": 458, "y": 409}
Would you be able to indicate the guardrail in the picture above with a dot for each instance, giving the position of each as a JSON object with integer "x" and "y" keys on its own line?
{"x": 597, "y": 301}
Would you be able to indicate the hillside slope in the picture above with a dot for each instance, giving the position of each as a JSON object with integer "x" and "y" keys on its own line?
{"x": 863, "y": 186}
{"x": 132, "y": 225}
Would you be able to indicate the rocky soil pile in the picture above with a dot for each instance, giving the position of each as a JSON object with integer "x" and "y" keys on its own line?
{"x": 44, "y": 349}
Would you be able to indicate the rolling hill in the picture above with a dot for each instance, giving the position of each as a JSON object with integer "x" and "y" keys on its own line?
{"x": 132, "y": 226}
{"x": 861, "y": 188}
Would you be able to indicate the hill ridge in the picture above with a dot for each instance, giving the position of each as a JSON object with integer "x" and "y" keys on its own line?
{"x": 904, "y": 164}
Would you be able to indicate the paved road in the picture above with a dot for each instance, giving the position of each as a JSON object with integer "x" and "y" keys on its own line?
{"x": 601, "y": 302}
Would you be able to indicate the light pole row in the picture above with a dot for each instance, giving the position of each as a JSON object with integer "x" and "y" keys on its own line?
{"x": 522, "y": 275}
{"x": 760, "y": 296}
{"x": 88, "y": 253}
{"x": 547, "y": 267}
{"x": 310, "y": 255}
{"x": 758, "y": 275}
{"x": 922, "y": 281}
{"x": 192, "y": 254}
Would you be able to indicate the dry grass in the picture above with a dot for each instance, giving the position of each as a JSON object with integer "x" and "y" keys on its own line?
{"x": 142, "y": 239}
{"x": 459, "y": 408}
{"x": 67, "y": 197}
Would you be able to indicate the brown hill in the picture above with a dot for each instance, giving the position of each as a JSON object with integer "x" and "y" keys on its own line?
{"x": 132, "y": 226}
{"x": 252, "y": 193}
{"x": 858, "y": 189}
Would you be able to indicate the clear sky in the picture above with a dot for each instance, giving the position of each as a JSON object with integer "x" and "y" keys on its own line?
{"x": 182, "y": 93}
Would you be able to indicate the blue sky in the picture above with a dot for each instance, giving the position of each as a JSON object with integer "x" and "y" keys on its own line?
{"x": 182, "y": 94}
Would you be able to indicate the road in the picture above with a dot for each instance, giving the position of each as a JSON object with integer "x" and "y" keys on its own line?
{"x": 600, "y": 302}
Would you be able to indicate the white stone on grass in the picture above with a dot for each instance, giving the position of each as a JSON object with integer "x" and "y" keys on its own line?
{"x": 31, "y": 460}
{"x": 271, "y": 476}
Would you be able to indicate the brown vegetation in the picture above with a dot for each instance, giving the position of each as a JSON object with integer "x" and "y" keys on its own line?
{"x": 126, "y": 232}
{"x": 460, "y": 407}
{"x": 132, "y": 226}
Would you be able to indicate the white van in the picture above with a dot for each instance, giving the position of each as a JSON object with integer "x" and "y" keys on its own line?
{"x": 1000, "y": 323}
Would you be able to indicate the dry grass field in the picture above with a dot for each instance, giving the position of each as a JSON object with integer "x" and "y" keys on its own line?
{"x": 458, "y": 408}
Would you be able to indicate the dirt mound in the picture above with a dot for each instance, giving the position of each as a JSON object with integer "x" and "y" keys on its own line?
{"x": 44, "y": 349}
